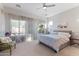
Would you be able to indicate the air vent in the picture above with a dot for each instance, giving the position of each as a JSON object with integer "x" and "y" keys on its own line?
{"x": 17, "y": 5}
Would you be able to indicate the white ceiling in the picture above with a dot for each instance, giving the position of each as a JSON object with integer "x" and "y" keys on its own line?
{"x": 33, "y": 8}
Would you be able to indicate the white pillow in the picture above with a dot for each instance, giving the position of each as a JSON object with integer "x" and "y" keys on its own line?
{"x": 54, "y": 33}
{"x": 64, "y": 34}
{"x": 5, "y": 39}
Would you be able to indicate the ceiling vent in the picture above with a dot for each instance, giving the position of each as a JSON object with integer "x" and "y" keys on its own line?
{"x": 17, "y": 5}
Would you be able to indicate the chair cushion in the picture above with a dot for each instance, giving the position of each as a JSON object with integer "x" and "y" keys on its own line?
{"x": 4, "y": 46}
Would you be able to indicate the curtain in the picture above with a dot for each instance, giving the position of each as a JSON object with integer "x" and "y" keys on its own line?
{"x": 29, "y": 27}
{"x": 8, "y": 18}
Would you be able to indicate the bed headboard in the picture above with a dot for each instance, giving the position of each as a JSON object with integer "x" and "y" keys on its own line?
{"x": 66, "y": 31}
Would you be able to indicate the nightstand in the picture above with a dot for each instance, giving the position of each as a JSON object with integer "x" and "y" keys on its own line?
{"x": 75, "y": 41}
{"x": 74, "y": 38}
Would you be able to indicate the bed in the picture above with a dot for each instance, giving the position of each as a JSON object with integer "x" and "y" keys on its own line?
{"x": 57, "y": 40}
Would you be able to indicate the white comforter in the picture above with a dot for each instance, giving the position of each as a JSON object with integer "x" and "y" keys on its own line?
{"x": 55, "y": 41}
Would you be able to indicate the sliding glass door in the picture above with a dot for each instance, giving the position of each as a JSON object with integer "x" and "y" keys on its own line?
{"x": 22, "y": 27}
{"x": 18, "y": 27}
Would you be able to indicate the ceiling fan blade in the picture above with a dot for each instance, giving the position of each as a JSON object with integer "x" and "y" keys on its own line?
{"x": 44, "y": 6}
{"x": 53, "y": 5}
{"x": 40, "y": 8}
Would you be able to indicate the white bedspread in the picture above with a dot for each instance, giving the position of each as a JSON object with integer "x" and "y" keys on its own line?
{"x": 55, "y": 41}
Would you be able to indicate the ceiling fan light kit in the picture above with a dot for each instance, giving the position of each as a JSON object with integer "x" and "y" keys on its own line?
{"x": 18, "y": 5}
{"x": 44, "y": 7}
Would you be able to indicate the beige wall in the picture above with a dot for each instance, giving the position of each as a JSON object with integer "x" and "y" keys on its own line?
{"x": 70, "y": 17}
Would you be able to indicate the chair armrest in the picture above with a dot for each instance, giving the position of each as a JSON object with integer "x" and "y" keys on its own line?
{"x": 5, "y": 46}
{"x": 3, "y": 43}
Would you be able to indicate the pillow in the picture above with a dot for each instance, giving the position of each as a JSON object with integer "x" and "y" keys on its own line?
{"x": 65, "y": 34}
{"x": 55, "y": 33}
{"x": 5, "y": 40}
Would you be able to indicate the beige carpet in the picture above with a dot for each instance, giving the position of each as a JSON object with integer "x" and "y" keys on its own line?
{"x": 32, "y": 48}
{"x": 70, "y": 51}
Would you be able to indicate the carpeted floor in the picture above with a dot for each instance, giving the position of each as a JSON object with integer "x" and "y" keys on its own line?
{"x": 32, "y": 48}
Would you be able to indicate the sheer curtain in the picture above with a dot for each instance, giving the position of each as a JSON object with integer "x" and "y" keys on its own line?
{"x": 29, "y": 25}
{"x": 17, "y": 20}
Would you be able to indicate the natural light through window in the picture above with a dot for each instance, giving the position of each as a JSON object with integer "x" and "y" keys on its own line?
{"x": 45, "y": 25}
{"x": 18, "y": 27}
{"x": 50, "y": 23}
{"x": 29, "y": 39}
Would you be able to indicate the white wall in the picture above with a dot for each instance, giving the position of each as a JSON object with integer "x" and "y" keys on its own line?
{"x": 70, "y": 17}
{"x": 2, "y": 23}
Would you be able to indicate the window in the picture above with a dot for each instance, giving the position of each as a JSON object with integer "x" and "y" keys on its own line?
{"x": 50, "y": 25}
{"x": 22, "y": 27}
{"x": 18, "y": 27}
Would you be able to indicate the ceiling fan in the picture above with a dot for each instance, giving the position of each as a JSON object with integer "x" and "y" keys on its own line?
{"x": 44, "y": 6}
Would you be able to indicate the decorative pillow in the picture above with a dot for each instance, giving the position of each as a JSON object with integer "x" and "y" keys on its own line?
{"x": 55, "y": 33}
{"x": 5, "y": 39}
{"x": 65, "y": 34}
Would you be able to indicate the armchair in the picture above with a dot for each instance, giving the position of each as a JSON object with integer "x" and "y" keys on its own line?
{"x": 6, "y": 44}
